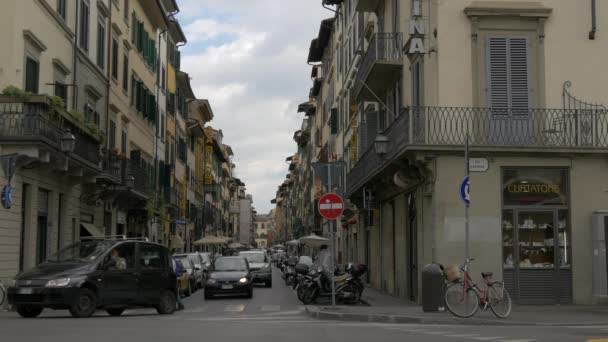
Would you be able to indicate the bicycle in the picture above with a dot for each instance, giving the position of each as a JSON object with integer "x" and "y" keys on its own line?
{"x": 2, "y": 295}
{"x": 464, "y": 297}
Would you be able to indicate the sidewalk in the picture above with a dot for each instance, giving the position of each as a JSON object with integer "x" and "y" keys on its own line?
{"x": 387, "y": 309}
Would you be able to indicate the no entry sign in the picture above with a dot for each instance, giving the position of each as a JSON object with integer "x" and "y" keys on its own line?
{"x": 331, "y": 206}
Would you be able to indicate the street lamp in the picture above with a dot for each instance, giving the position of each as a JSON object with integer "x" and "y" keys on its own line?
{"x": 381, "y": 144}
{"x": 68, "y": 142}
{"x": 130, "y": 181}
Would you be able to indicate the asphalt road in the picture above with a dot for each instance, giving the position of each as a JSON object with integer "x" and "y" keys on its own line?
{"x": 271, "y": 315}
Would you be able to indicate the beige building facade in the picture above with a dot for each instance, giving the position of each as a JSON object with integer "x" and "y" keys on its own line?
{"x": 409, "y": 81}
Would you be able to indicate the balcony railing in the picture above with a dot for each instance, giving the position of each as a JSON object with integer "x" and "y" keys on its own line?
{"x": 31, "y": 121}
{"x": 379, "y": 67}
{"x": 142, "y": 178}
{"x": 112, "y": 166}
{"x": 486, "y": 127}
{"x": 566, "y": 128}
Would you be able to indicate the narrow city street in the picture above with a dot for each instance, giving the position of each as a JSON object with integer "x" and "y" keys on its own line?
{"x": 271, "y": 315}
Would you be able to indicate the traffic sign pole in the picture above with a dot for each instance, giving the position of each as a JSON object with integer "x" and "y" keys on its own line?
{"x": 466, "y": 207}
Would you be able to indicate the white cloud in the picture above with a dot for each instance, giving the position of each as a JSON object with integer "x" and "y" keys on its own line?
{"x": 248, "y": 57}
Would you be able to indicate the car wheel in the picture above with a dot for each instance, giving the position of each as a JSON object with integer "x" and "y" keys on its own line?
{"x": 84, "y": 304}
{"x": 268, "y": 283}
{"x": 167, "y": 303}
{"x": 250, "y": 293}
{"x": 208, "y": 295}
{"x": 27, "y": 311}
{"x": 115, "y": 311}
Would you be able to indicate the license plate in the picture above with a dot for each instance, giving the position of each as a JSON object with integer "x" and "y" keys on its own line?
{"x": 227, "y": 287}
{"x": 25, "y": 291}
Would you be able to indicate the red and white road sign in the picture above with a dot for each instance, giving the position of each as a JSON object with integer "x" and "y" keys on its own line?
{"x": 331, "y": 206}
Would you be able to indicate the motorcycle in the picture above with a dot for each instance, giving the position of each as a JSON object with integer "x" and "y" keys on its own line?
{"x": 349, "y": 287}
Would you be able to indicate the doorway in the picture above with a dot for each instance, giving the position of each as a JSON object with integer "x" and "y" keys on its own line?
{"x": 412, "y": 248}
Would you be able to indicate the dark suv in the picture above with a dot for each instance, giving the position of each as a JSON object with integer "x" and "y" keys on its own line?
{"x": 98, "y": 274}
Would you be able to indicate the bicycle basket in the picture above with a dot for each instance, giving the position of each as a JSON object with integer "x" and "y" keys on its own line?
{"x": 453, "y": 273}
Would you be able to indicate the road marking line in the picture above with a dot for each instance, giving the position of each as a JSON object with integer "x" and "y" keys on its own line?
{"x": 515, "y": 340}
{"x": 438, "y": 332}
{"x": 488, "y": 338}
{"x": 271, "y": 308}
{"x": 462, "y": 335}
{"x": 235, "y": 308}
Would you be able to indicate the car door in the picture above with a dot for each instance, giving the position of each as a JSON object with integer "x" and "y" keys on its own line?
{"x": 119, "y": 284}
{"x": 152, "y": 272}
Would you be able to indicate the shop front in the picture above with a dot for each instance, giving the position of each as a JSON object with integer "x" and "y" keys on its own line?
{"x": 536, "y": 235}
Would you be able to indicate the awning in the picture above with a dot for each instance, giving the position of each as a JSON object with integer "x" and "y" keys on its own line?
{"x": 92, "y": 229}
{"x": 212, "y": 240}
{"x": 316, "y": 87}
{"x": 236, "y": 245}
{"x": 315, "y": 54}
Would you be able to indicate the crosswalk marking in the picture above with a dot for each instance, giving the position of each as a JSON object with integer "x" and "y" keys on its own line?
{"x": 489, "y": 338}
{"x": 235, "y": 308}
{"x": 271, "y": 308}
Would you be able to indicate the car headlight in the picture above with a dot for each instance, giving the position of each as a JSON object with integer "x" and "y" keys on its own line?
{"x": 211, "y": 281}
{"x": 60, "y": 282}
{"x": 243, "y": 280}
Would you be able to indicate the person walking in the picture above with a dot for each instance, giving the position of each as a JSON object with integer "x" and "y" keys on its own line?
{"x": 179, "y": 271}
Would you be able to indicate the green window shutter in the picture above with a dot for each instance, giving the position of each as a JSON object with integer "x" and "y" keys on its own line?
{"x": 134, "y": 29}
{"x": 146, "y": 45}
{"x": 334, "y": 121}
{"x": 178, "y": 59}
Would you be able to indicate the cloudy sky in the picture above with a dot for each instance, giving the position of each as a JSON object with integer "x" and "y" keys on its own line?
{"x": 248, "y": 57}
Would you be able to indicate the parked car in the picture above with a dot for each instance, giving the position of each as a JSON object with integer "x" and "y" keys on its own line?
{"x": 191, "y": 269}
{"x": 98, "y": 274}
{"x": 184, "y": 286}
{"x": 229, "y": 275}
{"x": 259, "y": 265}
{"x": 197, "y": 261}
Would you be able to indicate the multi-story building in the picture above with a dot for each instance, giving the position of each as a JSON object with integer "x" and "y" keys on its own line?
{"x": 246, "y": 226}
{"x": 399, "y": 90}
{"x": 48, "y": 149}
{"x": 264, "y": 224}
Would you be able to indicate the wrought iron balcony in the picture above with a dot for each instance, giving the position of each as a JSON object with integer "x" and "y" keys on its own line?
{"x": 490, "y": 128}
{"x": 35, "y": 122}
{"x": 505, "y": 127}
{"x": 111, "y": 168}
{"x": 380, "y": 67}
{"x": 142, "y": 180}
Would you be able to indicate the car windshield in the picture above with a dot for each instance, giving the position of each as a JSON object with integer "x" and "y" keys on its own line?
{"x": 253, "y": 256}
{"x": 85, "y": 251}
{"x": 185, "y": 261}
{"x": 306, "y": 260}
{"x": 230, "y": 264}
{"x": 195, "y": 260}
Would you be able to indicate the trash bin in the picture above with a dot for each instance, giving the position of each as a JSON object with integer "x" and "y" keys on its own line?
{"x": 433, "y": 285}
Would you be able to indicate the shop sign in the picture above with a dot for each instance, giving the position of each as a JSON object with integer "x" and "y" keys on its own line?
{"x": 7, "y": 197}
{"x": 478, "y": 165}
{"x": 417, "y": 30}
{"x": 465, "y": 191}
{"x": 535, "y": 187}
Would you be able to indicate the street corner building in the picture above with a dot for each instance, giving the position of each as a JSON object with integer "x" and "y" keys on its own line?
{"x": 400, "y": 87}
{"x": 101, "y": 133}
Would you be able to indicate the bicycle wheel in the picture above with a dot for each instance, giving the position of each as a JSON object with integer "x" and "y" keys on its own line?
{"x": 459, "y": 303}
{"x": 499, "y": 300}
{"x": 2, "y": 296}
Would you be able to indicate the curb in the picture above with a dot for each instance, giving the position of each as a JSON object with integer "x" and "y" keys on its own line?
{"x": 316, "y": 312}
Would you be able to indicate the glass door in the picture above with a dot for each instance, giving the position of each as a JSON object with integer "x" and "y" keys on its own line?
{"x": 536, "y": 242}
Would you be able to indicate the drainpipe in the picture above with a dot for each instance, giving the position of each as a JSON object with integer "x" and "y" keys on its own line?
{"x": 108, "y": 75}
{"x": 593, "y": 20}
{"x": 74, "y": 57}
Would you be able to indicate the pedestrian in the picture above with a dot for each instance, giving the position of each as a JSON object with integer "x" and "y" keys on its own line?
{"x": 179, "y": 272}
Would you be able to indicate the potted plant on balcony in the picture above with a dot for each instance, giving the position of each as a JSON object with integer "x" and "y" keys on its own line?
{"x": 122, "y": 156}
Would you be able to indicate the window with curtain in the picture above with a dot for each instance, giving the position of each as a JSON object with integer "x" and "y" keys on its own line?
{"x": 101, "y": 42}
{"x": 115, "y": 58}
{"x": 83, "y": 40}
{"x": 32, "y": 75}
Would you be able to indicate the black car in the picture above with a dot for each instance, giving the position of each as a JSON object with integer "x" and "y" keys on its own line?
{"x": 259, "y": 265}
{"x": 229, "y": 275}
{"x": 98, "y": 274}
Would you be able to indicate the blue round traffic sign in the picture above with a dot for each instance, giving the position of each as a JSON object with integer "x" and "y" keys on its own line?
{"x": 465, "y": 191}
{"x": 7, "y": 197}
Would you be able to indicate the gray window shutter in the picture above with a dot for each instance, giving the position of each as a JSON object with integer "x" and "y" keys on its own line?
{"x": 508, "y": 74}
{"x": 519, "y": 75}
{"x": 498, "y": 73}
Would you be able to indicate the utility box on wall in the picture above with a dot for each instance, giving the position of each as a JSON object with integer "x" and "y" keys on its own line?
{"x": 600, "y": 260}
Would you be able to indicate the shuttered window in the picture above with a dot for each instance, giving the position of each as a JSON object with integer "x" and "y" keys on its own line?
{"x": 32, "y": 75}
{"x": 508, "y": 75}
{"x": 417, "y": 84}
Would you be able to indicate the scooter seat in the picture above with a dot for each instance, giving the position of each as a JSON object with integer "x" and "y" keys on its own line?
{"x": 342, "y": 278}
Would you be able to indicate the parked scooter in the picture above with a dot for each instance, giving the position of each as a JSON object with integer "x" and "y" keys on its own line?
{"x": 349, "y": 287}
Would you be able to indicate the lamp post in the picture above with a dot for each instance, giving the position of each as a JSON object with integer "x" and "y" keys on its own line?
{"x": 381, "y": 144}
{"x": 68, "y": 142}
{"x": 130, "y": 181}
